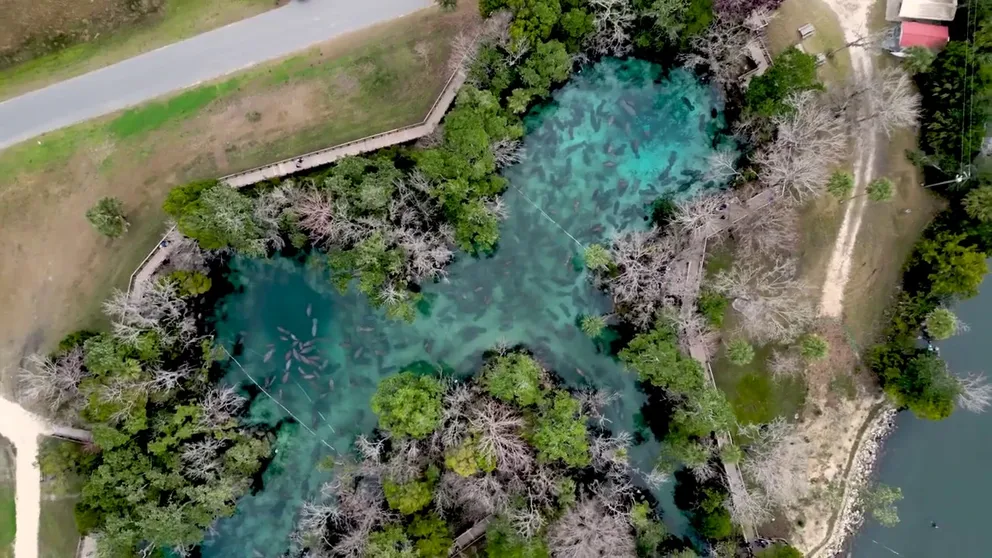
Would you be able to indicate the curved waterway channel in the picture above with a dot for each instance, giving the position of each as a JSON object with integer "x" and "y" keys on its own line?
{"x": 611, "y": 141}
{"x": 942, "y": 467}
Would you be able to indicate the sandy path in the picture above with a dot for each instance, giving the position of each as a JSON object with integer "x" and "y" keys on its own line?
{"x": 23, "y": 429}
{"x": 853, "y": 16}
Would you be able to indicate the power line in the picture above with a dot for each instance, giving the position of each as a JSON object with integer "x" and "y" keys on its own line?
{"x": 284, "y": 408}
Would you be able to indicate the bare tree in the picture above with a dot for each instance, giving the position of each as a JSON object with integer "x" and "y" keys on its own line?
{"x": 772, "y": 231}
{"x": 705, "y": 214}
{"x": 774, "y": 305}
{"x": 201, "y": 459}
{"x": 788, "y": 363}
{"x": 53, "y": 382}
{"x": 748, "y": 507}
{"x": 221, "y": 406}
{"x": 507, "y": 152}
{"x": 165, "y": 380}
{"x": 721, "y": 165}
{"x": 476, "y": 497}
{"x": 885, "y": 99}
{"x": 644, "y": 281}
{"x": 500, "y": 430}
{"x": 809, "y": 141}
{"x": 595, "y": 401}
{"x": 613, "y": 20}
{"x": 722, "y": 50}
{"x": 974, "y": 393}
{"x": 777, "y": 460}
{"x": 590, "y": 530}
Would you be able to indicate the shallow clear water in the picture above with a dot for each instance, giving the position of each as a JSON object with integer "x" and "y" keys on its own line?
{"x": 942, "y": 467}
{"x": 616, "y": 137}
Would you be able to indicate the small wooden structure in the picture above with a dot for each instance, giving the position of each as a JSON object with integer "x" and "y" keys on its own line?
{"x": 806, "y": 31}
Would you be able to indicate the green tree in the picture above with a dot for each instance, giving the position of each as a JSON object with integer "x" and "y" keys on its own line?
{"x": 408, "y": 497}
{"x": 657, "y": 360}
{"x": 597, "y": 257}
{"x": 813, "y": 347}
{"x": 432, "y": 538}
{"x": 548, "y": 65}
{"x": 514, "y": 378}
{"x": 467, "y": 459}
{"x": 713, "y": 306}
{"x": 731, "y": 454}
{"x": 918, "y": 59}
{"x": 221, "y": 217}
{"x": 840, "y": 185}
{"x": 107, "y": 217}
{"x": 880, "y": 501}
{"x": 593, "y": 325}
{"x": 879, "y": 190}
{"x": 390, "y": 542}
{"x": 740, "y": 352}
{"x": 952, "y": 130}
{"x": 925, "y": 387}
{"x": 533, "y": 20}
{"x": 502, "y": 541}
{"x": 190, "y": 283}
{"x": 942, "y": 324}
{"x": 372, "y": 261}
{"x": 576, "y": 24}
{"x": 955, "y": 270}
{"x": 408, "y": 404}
{"x": 182, "y": 197}
{"x": 559, "y": 431}
{"x": 978, "y": 204}
{"x": 791, "y": 72}
{"x": 668, "y": 16}
{"x": 649, "y": 531}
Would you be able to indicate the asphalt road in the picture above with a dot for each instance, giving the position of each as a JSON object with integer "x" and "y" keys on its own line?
{"x": 213, "y": 54}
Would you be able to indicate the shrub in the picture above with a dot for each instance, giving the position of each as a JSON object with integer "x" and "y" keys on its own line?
{"x": 107, "y": 217}
{"x": 791, "y": 72}
{"x": 514, "y": 378}
{"x": 432, "y": 537}
{"x": 597, "y": 257}
{"x": 502, "y": 541}
{"x": 408, "y": 404}
{"x": 713, "y": 306}
{"x": 942, "y": 324}
{"x": 190, "y": 283}
{"x": 559, "y": 431}
{"x": 879, "y": 190}
{"x": 813, "y": 347}
{"x": 740, "y": 352}
{"x": 840, "y": 185}
{"x": 593, "y": 326}
{"x": 410, "y": 497}
{"x": 978, "y": 204}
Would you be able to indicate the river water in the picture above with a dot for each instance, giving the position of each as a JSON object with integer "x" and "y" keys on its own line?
{"x": 615, "y": 138}
{"x": 942, "y": 467}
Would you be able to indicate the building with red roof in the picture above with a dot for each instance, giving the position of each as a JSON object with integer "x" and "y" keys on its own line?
{"x": 927, "y": 35}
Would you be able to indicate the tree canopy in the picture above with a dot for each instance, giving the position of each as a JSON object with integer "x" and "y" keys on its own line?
{"x": 791, "y": 72}
{"x": 408, "y": 404}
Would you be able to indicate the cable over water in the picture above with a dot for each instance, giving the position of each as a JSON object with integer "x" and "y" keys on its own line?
{"x": 548, "y": 217}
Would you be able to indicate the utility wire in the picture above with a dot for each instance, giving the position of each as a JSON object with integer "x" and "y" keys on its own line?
{"x": 284, "y": 408}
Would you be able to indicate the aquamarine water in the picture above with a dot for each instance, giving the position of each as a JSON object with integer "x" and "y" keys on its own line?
{"x": 616, "y": 137}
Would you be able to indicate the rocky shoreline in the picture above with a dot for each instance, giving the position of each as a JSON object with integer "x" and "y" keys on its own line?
{"x": 851, "y": 515}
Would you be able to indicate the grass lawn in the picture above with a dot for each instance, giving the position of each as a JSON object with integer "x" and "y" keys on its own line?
{"x": 176, "y": 20}
{"x": 783, "y": 32}
{"x": 754, "y": 394}
{"x": 55, "y": 270}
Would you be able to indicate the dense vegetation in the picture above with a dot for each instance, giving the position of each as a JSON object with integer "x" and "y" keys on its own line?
{"x": 948, "y": 263}
{"x": 169, "y": 453}
{"x": 508, "y": 449}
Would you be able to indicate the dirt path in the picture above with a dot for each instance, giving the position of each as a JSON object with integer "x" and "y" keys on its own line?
{"x": 853, "y": 16}
{"x": 23, "y": 429}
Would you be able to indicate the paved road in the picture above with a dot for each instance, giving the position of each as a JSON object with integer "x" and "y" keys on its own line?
{"x": 266, "y": 36}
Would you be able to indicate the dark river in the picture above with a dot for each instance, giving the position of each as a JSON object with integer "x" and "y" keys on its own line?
{"x": 942, "y": 467}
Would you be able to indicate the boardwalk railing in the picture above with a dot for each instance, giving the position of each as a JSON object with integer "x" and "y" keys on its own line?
{"x": 354, "y": 147}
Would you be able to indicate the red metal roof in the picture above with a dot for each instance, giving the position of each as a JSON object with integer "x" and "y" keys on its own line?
{"x": 923, "y": 34}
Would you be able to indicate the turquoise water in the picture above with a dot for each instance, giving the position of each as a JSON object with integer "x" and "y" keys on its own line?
{"x": 616, "y": 137}
{"x": 942, "y": 467}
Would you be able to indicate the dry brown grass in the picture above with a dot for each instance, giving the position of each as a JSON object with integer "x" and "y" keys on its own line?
{"x": 55, "y": 270}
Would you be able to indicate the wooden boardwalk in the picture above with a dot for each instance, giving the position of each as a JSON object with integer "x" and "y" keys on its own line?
{"x": 367, "y": 144}
{"x": 693, "y": 260}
